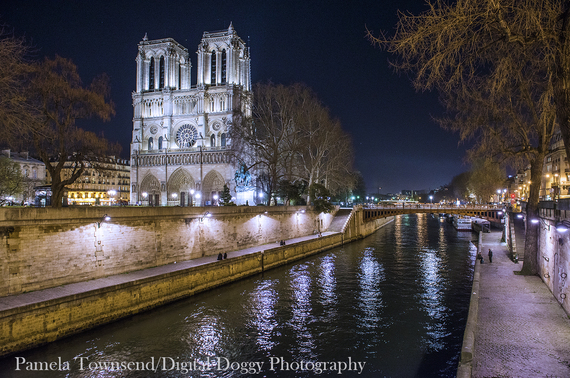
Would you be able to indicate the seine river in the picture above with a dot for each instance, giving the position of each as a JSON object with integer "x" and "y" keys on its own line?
{"x": 391, "y": 305}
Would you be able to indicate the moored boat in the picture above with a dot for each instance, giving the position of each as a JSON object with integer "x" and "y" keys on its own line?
{"x": 462, "y": 223}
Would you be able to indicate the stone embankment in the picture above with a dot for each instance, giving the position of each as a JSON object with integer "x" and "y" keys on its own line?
{"x": 38, "y": 317}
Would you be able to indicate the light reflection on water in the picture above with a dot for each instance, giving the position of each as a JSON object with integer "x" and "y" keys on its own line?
{"x": 396, "y": 300}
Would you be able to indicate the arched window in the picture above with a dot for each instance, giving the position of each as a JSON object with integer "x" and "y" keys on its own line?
{"x": 161, "y": 78}
{"x": 213, "y": 68}
{"x": 151, "y": 74}
{"x": 223, "y": 66}
{"x": 160, "y": 143}
{"x": 213, "y": 141}
{"x": 150, "y": 143}
{"x": 223, "y": 140}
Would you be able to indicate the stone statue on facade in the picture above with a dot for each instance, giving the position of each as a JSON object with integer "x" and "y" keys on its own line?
{"x": 243, "y": 179}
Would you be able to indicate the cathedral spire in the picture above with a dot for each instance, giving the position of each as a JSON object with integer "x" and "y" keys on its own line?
{"x": 145, "y": 38}
{"x": 231, "y": 29}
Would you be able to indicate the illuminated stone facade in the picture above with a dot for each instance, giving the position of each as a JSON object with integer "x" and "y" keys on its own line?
{"x": 34, "y": 172}
{"x": 106, "y": 185}
{"x": 180, "y": 148}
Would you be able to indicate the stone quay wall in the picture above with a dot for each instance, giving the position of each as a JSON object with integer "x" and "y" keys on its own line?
{"x": 39, "y": 323}
{"x": 554, "y": 255}
{"x": 42, "y": 247}
{"x": 553, "y": 249}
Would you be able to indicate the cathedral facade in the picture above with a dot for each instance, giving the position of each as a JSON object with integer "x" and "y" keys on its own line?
{"x": 180, "y": 148}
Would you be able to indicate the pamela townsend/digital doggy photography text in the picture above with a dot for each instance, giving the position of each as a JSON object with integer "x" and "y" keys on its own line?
{"x": 176, "y": 364}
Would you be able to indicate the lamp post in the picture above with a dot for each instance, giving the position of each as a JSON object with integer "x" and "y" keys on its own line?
{"x": 191, "y": 197}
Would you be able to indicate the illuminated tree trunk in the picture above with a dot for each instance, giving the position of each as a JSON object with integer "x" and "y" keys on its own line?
{"x": 530, "y": 263}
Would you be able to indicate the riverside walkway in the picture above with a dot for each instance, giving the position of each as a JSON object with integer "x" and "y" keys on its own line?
{"x": 521, "y": 330}
{"x": 39, "y": 296}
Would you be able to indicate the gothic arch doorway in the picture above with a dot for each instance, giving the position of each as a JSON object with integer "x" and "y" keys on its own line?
{"x": 150, "y": 190}
{"x": 213, "y": 184}
{"x": 181, "y": 186}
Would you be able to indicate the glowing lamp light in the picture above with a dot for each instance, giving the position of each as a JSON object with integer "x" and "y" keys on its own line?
{"x": 520, "y": 216}
{"x": 535, "y": 221}
{"x": 174, "y": 195}
{"x": 260, "y": 195}
{"x": 144, "y": 194}
{"x": 561, "y": 227}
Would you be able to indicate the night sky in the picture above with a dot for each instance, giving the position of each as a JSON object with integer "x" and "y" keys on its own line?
{"x": 320, "y": 43}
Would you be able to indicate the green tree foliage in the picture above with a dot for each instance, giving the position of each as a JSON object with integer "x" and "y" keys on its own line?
{"x": 320, "y": 198}
{"x": 502, "y": 69}
{"x": 226, "y": 197}
{"x": 359, "y": 191}
{"x": 291, "y": 192}
{"x": 11, "y": 179}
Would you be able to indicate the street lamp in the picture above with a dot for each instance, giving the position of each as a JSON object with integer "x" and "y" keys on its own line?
{"x": 215, "y": 199}
{"x": 111, "y": 194}
{"x": 191, "y": 197}
{"x": 430, "y": 199}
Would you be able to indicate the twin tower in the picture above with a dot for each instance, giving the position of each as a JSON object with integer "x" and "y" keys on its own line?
{"x": 180, "y": 144}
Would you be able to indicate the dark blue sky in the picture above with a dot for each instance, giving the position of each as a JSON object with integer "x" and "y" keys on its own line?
{"x": 319, "y": 43}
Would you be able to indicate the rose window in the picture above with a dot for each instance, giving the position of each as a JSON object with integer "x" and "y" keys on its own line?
{"x": 186, "y": 136}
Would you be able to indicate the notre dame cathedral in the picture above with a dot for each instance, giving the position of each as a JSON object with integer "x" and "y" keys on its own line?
{"x": 180, "y": 149}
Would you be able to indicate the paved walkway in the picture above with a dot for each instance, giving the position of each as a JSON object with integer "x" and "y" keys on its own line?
{"x": 39, "y": 296}
{"x": 522, "y": 331}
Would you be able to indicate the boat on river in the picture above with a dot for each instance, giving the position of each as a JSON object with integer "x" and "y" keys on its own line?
{"x": 462, "y": 223}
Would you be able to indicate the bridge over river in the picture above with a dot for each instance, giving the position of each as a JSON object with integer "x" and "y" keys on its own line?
{"x": 492, "y": 213}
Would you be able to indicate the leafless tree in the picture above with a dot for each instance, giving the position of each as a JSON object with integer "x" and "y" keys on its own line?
{"x": 55, "y": 98}
{"x": 486, "y": 178}
{"x": 292, "y": 137}
{"x": 494, "y": 64}
{"x": 265, "y": 142}
{"x": 14, "y": 70}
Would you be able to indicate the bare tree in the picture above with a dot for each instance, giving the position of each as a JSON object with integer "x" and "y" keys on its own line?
{"x": 55, "y": 98}
{"x": 292, "y": 137}
{"x": 14, "y": 70}
{"x": 493, "y": 64}
{"x": 486, "y": 178}
{"x": 325, "y": 151}
{"x": 265, "y": 142}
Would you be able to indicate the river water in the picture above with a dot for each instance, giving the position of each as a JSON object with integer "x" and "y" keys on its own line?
{"x": 391, "y": 305}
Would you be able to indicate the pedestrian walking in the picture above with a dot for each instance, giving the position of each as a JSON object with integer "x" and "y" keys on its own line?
{"x": 219, "y": 256}
{"x": 490, "y": 255}
{"x": 225, "y": 255}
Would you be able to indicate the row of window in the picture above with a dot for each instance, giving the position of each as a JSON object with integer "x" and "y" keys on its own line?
{"x": 161, "y": 71}
{"x": 212, "y": 142}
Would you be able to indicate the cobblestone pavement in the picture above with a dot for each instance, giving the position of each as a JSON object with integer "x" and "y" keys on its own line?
{"x": 521, "y": 330}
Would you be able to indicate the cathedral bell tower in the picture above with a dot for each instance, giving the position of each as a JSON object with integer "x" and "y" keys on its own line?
{"x": 223, "y": 58}
{"x": 180, "y": 148}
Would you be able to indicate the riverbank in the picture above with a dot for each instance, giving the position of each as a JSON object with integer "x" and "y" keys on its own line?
{"x": 519, "y": 330}
{"x": 32, "y": 319}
